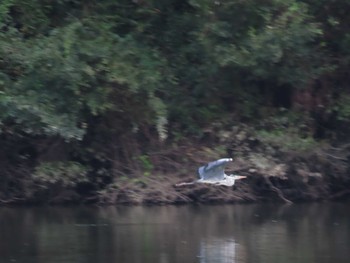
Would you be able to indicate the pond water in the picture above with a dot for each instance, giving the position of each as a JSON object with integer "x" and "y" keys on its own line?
{"x": 201, "y": 233}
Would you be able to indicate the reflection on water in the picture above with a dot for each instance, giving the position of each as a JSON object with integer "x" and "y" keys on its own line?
{"x": 204, "y": 234}
{"x": 217, "y": 250}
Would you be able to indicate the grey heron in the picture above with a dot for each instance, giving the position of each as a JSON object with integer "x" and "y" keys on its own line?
{"x": 214, "y": 173}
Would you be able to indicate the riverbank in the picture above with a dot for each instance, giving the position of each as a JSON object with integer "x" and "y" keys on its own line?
{"x": 303, "y": 171}
{"x": 280, "y": 164}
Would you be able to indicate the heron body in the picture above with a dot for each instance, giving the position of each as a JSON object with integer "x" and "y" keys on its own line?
{"x": 214, "y": 173}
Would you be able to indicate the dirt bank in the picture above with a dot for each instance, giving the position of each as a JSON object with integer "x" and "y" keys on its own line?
{"x": 274, "y": 173}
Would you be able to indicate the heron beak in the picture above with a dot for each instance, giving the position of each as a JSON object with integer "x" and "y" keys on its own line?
{"x": 238, "y": 177}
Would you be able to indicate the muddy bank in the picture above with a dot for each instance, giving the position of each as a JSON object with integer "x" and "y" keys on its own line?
{"x": 280, "y": 167}
{"x": 274, "y": 173}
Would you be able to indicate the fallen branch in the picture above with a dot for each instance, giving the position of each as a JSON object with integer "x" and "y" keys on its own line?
{"x": 185, "y": 183}
{"x": 278, "y": 191}
{"x": 12, "y": 200}
{"x": 340, "y": 194}
{"x": 335, "y": 157}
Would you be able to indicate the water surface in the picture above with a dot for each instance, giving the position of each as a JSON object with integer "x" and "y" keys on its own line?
{"x": 204, "y": 234}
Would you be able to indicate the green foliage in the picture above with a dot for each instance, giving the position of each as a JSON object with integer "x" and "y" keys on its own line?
{"x": 64, "y": 174}
{"x": 342, "y": 108}
{"x": 58, "y": 72}
{"x": 4, "y": 10}
{"x": 44, "y": 96}
{"x": 146, "y": 163}
{"x": 289, "y": 131}
{"x": 287, "y": 139}
{"x": 76, "y": 67}
{"x": 281, "y": 47}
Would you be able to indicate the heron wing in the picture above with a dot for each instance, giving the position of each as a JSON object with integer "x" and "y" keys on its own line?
{"x": 214, "y": 170}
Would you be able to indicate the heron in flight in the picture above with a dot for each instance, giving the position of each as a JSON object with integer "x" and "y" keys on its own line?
{"x": 214, "y": 173}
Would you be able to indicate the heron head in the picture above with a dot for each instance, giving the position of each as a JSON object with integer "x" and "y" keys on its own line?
{"x": 238, "y": 177}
